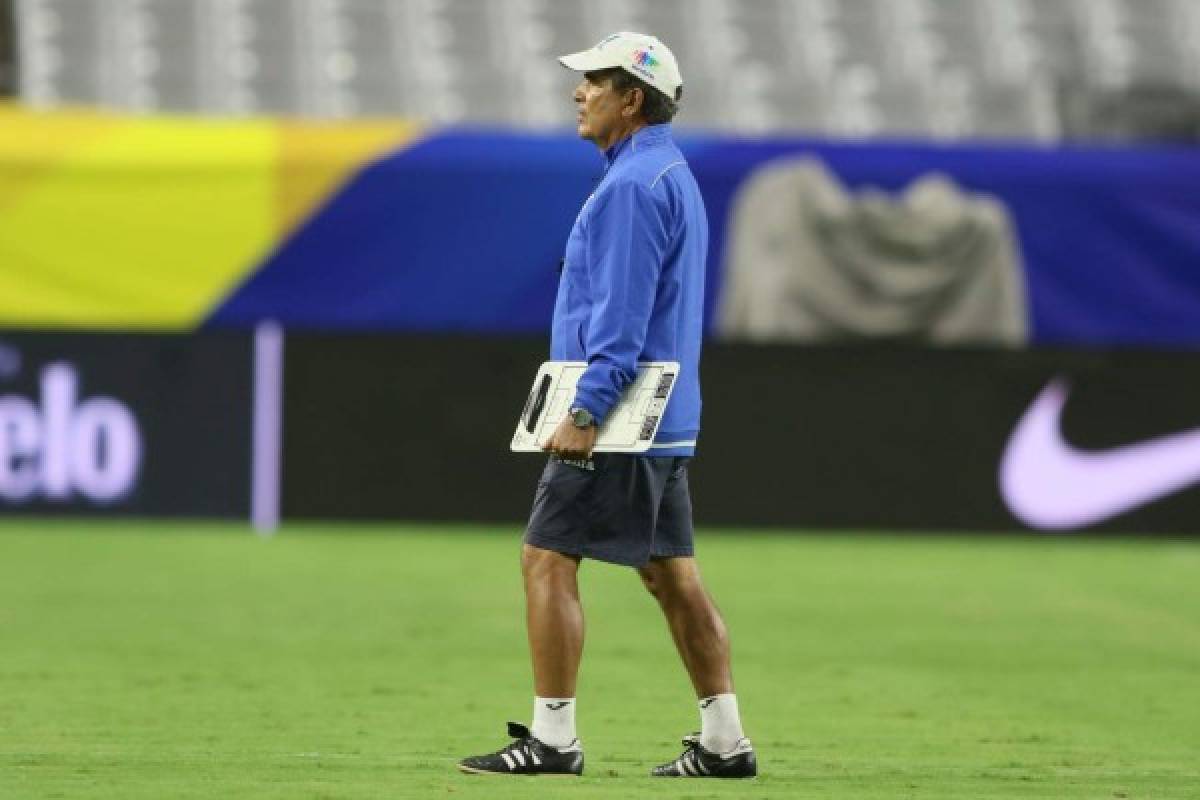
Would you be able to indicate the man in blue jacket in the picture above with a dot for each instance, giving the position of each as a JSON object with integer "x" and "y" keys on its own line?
{"x": 632, "y": 289}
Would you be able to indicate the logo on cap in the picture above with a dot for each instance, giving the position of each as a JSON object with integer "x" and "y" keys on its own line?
{"x": 643, "y": 58}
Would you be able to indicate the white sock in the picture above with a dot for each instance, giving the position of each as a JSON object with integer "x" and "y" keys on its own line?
{"x": 554, "y": 720}
{"x": 720, "y": 725}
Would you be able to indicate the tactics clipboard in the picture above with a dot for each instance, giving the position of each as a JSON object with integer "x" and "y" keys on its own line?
{"x": 629, "y": 428}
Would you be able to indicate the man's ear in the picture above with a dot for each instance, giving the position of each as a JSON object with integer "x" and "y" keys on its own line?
{"x": 637, "y": 98}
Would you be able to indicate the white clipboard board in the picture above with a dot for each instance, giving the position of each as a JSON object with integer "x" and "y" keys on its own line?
{"x": 629, "y": 428}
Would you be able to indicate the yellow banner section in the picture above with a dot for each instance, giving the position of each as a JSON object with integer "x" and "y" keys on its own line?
{"x": 111, "y": 221}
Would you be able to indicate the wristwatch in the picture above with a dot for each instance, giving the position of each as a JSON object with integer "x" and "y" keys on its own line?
{"x": 581, "y": 418}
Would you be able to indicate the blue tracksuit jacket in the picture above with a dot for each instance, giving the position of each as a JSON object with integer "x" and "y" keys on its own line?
{"x": 632, "y": 286}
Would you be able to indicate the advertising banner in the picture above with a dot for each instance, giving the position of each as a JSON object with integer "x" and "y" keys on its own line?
{"x": 412, "y": 428}
{"x": 843, "y": 438}
{"x": 462, "y": 231}
{"x": 389, "y": 427}
{"x": 125, "y": 424}
{"x": 393, "y": 227}
{"x": 886, "y": 439}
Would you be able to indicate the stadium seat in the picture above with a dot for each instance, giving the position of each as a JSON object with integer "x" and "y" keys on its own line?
{"x": 974, "y": 68}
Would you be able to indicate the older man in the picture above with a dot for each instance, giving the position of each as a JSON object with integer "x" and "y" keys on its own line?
{"x": 632, "y": 289}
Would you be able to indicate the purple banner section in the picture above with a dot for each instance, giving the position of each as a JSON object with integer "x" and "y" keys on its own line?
{"x": 463, "y": 232}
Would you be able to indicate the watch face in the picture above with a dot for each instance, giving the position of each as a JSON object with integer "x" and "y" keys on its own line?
{"x": 581, "y": 417}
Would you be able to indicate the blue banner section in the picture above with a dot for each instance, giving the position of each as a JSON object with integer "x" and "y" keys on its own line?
{"x": 463, "y": 232}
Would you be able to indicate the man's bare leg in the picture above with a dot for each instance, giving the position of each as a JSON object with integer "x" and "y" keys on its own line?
{"x": 553, "y": 619}
{"x": 696, "y": 624}
{"x": 703, "y": 644}
{"x": 554, "y": 623}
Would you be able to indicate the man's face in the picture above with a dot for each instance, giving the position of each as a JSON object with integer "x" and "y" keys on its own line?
{"x": 600, "y": 107}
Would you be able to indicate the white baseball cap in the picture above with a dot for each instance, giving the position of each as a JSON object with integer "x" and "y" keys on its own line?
{"x": 640, "y": 54}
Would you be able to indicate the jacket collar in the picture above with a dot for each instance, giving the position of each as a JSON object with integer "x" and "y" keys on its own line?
{"x": 643, "y": 137}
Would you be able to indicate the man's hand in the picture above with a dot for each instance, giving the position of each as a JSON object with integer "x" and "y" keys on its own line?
{"x": 571, "y": 443}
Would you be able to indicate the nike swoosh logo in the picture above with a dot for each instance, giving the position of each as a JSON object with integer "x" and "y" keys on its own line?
{"x": 558, "y": 706}
{"x": 1049, "y": 484}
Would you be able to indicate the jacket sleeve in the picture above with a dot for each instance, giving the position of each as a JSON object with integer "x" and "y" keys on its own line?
{"x": 626, "y": 240}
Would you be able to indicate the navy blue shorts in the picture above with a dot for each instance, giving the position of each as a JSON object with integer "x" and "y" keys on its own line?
{"x": 623, "y": 509}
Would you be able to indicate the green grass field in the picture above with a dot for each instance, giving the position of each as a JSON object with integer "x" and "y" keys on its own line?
{"x": 195, "y": 661}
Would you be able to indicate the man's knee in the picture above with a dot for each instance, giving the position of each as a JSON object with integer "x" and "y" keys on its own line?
{"x": 546, "y": 565}
{"x": 651, "y": 580}
{"x": 668, "y": 578}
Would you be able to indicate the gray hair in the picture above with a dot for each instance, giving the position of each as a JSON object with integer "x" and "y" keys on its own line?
{"x": 657, "y": 108}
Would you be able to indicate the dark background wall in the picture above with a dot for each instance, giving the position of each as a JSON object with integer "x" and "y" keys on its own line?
{"x": 412, "y": 428}
{"x": 189, "y": 400}
{"x": 406, "y": 427}
{"x": 8, "y": 49}
{"x": 418, "y": 428}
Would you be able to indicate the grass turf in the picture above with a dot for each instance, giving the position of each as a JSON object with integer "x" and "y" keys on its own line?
{"x": 158, "y": 661}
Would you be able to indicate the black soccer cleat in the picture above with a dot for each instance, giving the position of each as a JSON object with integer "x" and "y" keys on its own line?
{"x": 526, "y": 756}
{"x": 696, "y": 762}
